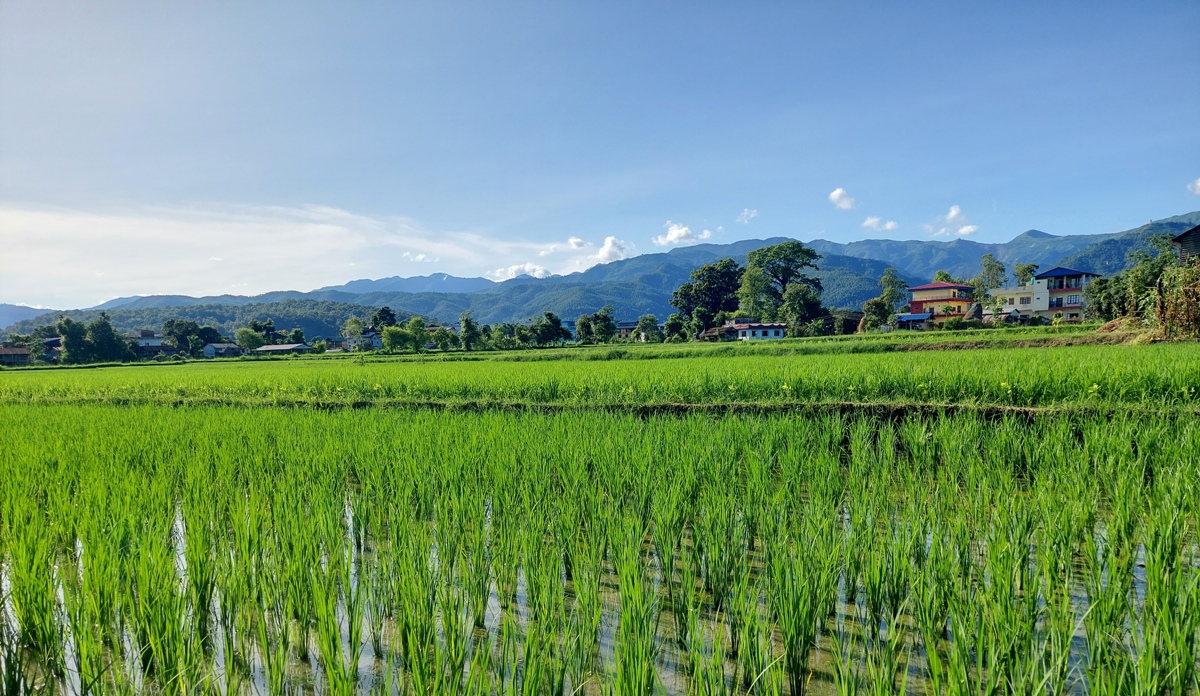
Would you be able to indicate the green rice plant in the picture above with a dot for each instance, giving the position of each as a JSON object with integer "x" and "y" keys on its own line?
{"x": 34, "y": 592}
{"x": 635, "y": 643}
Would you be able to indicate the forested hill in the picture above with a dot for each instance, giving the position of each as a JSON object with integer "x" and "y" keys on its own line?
{"x": 316, "y": 318}
{"x": 636, "y": 286}
{"x": 1098, "y": 253}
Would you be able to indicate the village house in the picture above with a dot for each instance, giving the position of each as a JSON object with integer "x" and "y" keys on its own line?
{"x": 369, "y": 340}
{"x": 746, "y": 329}
{"x": 939, "y": 300}
{"x": 147, "y": 344}
{"x": 1057, "y": 290}
{"x": 1187, "y": 245}
{"x": 222, "y": 350}
{"x": 14, "y": 356}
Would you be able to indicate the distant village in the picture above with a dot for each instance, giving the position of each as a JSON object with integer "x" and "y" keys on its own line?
{"x": 772, "y": 298}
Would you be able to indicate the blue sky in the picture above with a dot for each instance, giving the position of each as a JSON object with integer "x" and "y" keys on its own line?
{"x": 244, "y": 147}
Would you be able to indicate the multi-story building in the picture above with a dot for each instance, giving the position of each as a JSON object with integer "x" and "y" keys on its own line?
{"x": 1057, "y": 290}
{"x": 940, "y": 300}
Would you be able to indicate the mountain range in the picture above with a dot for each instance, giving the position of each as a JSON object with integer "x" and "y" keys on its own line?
{"x": 635, "y": 286}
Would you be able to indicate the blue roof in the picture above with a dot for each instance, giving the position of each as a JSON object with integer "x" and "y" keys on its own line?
{"x": 1059, "y": 271}
{"x": 913, "y": 317}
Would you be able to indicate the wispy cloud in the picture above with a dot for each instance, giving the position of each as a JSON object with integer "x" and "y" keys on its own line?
{"x": 1194, "y": 187}
{"x": 952, "y": 224}
{"x": 876, "y": 223}
{"x": 69, "y": 258}
{"x": 679, "y": 234}
{"x": 747, "y": 215}
{"x": 841, "y": 199}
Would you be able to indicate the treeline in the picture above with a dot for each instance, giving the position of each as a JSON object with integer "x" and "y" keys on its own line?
{"x": 316, "y": 318}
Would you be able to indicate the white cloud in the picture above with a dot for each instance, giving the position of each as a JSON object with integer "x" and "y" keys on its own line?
{"x": 952, "y": 224}
{"x": 520, "y": 269}
{"x": 679, "y": 234}
{"x": 876, "y": 223}
{"x": 747, "y": 215}
{"x": 613, "y": 250}
{"x": 52, "y": 256}
{"x": 841, "y": 199}
{"x": 1194, "y": 187}
{"x": 576, "y": 243}
{"x": 215, "y": 258}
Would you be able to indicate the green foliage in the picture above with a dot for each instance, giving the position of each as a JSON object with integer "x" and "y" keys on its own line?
{"x": 1024, "y": 272}
{"x": 713, "y": 288}
{"x": 548, "y": 330}
{"x": 647, "y": 329}
{"x": 94, "y": 342}
{"x": 384, "y": 316}
{"x": 469, "y": 332}
{"x": 770, "y": 271}
{"x": 249, "y": 339}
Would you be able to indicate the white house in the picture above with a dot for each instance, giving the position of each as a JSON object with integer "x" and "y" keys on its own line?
{"x": 755, "y": 331}
{"x": 222, "y": 350}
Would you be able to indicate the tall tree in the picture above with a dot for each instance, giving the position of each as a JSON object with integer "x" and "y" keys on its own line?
{"x": 713, "y": 287}
{"x": 395, "y": 338}
{"x": 417, "y": 335}
{"x": 583, "y": 329}
{"x": 604, "y": 327}
{"x": 801, "y": 304}
{"x": 675, "y": 327}
{"x": 893, "y": 290}
{"x": 352, "y": 329}
{"x": 1025, "y": 272}
{"x": 769, "y": 272}
{"x": 992, "y": 273}
{"x": 384, "y": 316}
{"x": 75, "y": 348}
{"x": 647, "y": 329}
{"x": 469, "y": 333}
{"x": 104, "y": 344}
{"x": 248, "y": 339}
{"x": 548, "y": 329}
{"x": 945, "y": 277}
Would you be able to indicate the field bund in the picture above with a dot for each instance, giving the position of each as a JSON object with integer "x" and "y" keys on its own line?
{"x": 820, "y": 518}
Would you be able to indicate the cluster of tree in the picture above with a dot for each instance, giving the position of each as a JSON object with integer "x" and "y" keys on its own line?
{"x": 186, "y": 336}
{"x": 96, "y": 341}
{"x": 773, "y": 286}
{"x": 600, "y": 327}
{"x": 314, "y": 317}
{"x": 258, "y": 333}
{"x": 1132, "y": 292}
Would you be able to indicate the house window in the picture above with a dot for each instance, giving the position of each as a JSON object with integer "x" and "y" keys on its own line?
{"x": 1072, "y": 299}
{"x": 776, "y": 332}
{"x": 1008, "y": 301}
{"x": 1026, "y": 300}
{"x": 742, "y": 334}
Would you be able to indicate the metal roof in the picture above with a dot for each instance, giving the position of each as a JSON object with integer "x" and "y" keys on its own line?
{"x": 1059, "y": 271}
{"x": 943, "y": 285}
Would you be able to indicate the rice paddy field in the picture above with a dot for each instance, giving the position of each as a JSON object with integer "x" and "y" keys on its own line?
{"x": 987, "y": 521}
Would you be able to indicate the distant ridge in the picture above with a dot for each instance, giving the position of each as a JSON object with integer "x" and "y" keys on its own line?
{"x": 1096, "y": 253}
{"x": 644, "y": 284}
{"x": 436, "y": 282}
